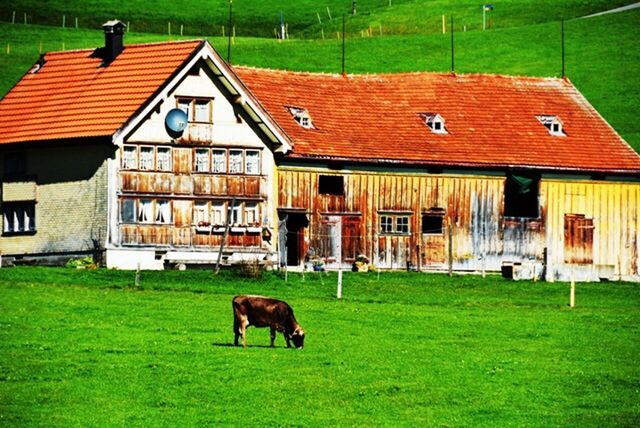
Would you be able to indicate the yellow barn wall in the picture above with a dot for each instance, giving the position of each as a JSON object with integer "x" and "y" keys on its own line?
{"x": 614, "y": 208}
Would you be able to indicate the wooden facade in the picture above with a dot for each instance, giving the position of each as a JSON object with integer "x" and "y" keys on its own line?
{"x": 419, "y": 221}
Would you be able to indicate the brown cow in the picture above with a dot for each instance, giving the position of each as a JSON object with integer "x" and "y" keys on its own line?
{"x": 265, "y": 312}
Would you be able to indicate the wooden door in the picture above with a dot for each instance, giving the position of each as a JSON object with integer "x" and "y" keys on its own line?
{"x": 578, "y": 239}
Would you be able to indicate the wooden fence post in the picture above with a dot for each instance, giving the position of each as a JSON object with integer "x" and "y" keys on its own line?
{"x": 450, "y": 230}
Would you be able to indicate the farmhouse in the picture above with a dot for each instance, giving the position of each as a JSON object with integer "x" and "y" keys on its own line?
{"x": 421, "y": 171}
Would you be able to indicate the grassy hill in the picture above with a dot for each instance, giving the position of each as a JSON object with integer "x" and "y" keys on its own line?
{"x": 602, "y": 56}
{"x": 304, "y": 17}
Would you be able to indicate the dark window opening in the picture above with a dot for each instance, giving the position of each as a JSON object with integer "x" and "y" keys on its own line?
{"x": 331, "y": 185}
{"x": 15, "y": 164}
{"x": 128, "y": 210}
{"x": 19, "y": 217}
{"x": 521, "y": 196}
{"x": 432, "y": 221}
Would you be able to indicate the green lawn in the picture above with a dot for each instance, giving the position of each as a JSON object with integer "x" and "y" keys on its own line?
{"x": 86, "y": 348}
{"x": 303, "y": 17}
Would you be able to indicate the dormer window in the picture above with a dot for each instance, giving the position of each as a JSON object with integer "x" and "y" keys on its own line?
{"x": 435, "y": 122}
{"x": 301, "y": 116}
{"x": 553, "y": 124}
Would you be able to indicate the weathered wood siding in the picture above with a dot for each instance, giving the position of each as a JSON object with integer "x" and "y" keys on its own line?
{"x": 481, "y": 237}
{"x": 189, "y": 182}
{"x": 472, "y": 207}
{"x": 609, "y": 217}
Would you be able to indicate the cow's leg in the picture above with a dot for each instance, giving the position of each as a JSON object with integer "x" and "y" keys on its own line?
{"x": 236, "y": 331}
{"x": 286, "y": 338}
{"x": 273, "y": 335}
{"x": 244, "y": 322}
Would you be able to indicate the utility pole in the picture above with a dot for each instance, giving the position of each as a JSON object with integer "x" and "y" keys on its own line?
{"x": 229, "y": 36}
{"x": 343, "y": 42}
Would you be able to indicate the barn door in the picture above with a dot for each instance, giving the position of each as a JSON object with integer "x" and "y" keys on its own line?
{"x": 331, "y": 240}
{"x": 293, "y": 243}
{"x": 350, "y": 239}
{"x": 578, "y": 239}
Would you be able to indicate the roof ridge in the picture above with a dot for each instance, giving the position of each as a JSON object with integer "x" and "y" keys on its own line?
{"x": 404, "y": 73}
{"x": 166, "y": 42}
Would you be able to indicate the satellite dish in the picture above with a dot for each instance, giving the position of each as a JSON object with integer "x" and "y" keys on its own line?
{"x": 176, "y": 122}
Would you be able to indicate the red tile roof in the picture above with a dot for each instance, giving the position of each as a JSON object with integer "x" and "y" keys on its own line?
{"x": 491, "y": 120}
{"x": 73, "y": 97}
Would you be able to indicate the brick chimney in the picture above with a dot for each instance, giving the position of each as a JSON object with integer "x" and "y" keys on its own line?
{"x": 113, "y": 40}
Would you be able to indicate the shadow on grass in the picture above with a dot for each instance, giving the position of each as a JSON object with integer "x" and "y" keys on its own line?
{"x": 231, "y": 345}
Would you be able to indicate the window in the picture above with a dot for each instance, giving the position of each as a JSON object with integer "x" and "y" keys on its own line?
{"x": 15, "y": 164}
{"x": 218, "y": 213}
{"x": 301, "y": 116}
{"x": 164, "y": 159}
{"x": 19, "y": 217}
{"x": 402, "y": 224}
{"x": 331, "y": 185}
{"x": 197, "y": 109}
{"x": 553, "y": 124}
{"x": 432, "y": 221}
{"x": 130, "y": 157}
{"x": 235, "y": 161}
{"x": 386, "y": 224}
{"x": 185, "y": 106}
{"x": 435, "y": 122}
{"x": 236, "y": 213}
{"x": 128, "y": 211}
{"x": 251, "y": 214}
{"x": 252, "y": 162}
{"x": 521, "y": 196}
{"x": 145, "y": 211}
{"x": 201, "y": 213}
{"x": 202, "y": 111}
{"x": 202, "y": 160}
{"x": 146, "y": 158}
{"x": 219, "y": 161}
{"x": 163, "y": 212}
{"x": 394, "y": 224}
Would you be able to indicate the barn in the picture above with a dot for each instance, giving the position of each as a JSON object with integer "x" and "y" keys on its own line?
{"x": 418, "y": 171}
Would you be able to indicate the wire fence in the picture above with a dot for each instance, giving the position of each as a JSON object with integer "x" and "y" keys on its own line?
{"x": 319, "y": 24}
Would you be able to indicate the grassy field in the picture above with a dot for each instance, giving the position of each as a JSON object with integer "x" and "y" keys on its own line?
{"x": 86, "y": 348}
{"x": 303, "y": 17}
{"x": 602, "y": 56}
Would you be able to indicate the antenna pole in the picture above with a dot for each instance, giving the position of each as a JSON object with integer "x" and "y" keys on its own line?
{"x": 453, "y": 68}
{"x": 229, "y": 38}
{"x": 343, "y": 34}
{"x": 562, "y": 43}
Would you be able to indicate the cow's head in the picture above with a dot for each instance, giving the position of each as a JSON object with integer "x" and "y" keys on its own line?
{"x": 298, "y": 338}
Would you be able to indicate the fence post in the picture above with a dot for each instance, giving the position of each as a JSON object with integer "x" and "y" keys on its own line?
{"x": 450, "y": 230}
{"x": 136, "y": 281}
{"x": 339, "y": 290}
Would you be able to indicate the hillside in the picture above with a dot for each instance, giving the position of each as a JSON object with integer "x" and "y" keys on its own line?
{"x": 602, "y": 58}
{"x": 303, "y": 17}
